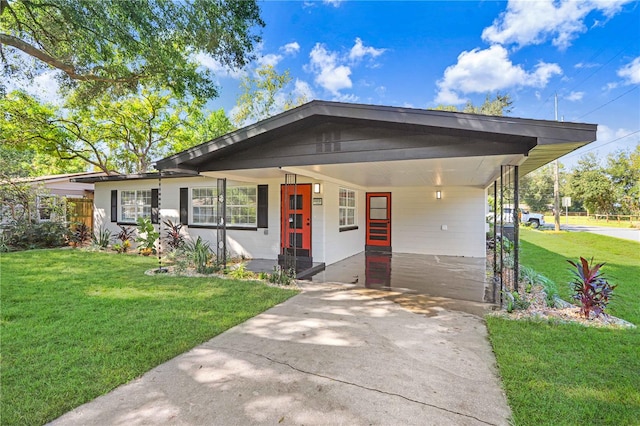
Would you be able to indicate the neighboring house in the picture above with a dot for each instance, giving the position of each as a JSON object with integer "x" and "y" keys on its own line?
{"x": 74, "y": 199}
{"x": 329, "y": 180}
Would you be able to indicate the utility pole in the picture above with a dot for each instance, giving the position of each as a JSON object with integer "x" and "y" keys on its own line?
{"x": 556, "y": 184}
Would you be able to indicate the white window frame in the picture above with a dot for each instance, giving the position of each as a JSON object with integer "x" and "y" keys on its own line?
{"x": 242, "y": 212}
{"x": 197, "y": 219}
{"x": 137, "y": 202}
{"x": 345, "y": 207}
{"x": 238, "y": 214}
{"x": 53, "y": 203}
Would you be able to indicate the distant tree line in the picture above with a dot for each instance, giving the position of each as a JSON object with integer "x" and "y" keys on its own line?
{"x": 597, "y": 186}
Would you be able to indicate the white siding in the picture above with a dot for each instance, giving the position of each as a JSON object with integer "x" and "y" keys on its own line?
{"x": 339, "y": 245}
{"x": 418, "y": 219}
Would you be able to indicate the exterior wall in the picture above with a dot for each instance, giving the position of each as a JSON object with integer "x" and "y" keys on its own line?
{"x": 417, "y": 219}
{"x": 339, "y": 245}
{"x": 260, "y": 243}
{"x": 451, "y": 226}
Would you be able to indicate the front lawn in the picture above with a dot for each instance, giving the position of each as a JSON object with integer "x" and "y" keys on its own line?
{"x": 559, "y": 374}
{"x": 76, "y": 325}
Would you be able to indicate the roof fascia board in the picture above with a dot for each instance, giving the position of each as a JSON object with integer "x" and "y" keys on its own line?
{"x": 548, "y": 131}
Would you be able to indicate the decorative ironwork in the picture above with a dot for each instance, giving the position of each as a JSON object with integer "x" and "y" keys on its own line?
{"x": 221, "y": 221}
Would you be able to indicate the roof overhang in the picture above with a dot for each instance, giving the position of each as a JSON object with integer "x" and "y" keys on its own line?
{"x": 328, "y": 138}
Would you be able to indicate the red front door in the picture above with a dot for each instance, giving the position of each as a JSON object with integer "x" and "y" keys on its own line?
{"x": 296, "y": 219}
{"x": 379, "y": 220}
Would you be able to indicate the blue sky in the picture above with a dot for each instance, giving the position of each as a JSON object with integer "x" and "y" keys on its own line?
{"x": 424, "y": 53}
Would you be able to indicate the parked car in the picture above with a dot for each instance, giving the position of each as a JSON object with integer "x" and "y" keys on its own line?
{"x": 535, "y": 220}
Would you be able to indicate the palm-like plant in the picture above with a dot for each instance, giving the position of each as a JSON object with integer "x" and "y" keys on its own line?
{"x": 590, "y": 287}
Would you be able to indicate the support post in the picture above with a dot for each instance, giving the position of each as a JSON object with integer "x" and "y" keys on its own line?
{"x": 221, "y": 234}
{"x": 516, "y": 229}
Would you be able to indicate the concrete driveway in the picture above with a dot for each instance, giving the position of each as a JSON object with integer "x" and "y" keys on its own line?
{"x": 331, "y": 355}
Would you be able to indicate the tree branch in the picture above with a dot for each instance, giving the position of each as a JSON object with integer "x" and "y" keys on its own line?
{"x": 70, "y": 70}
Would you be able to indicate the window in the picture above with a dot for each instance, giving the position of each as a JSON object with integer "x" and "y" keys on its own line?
{"x": 347, "y": 207}
{"x": 135, "y": 204}
{"x": 203, "y": 203}
{"x": 50, "y": 207}
{"x": 242, "y": 204}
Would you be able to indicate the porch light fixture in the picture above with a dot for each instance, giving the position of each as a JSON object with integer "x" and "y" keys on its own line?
{"x": 316, "y": 188}
{"x": 438, "y": 195}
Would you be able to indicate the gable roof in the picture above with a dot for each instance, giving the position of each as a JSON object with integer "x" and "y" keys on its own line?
{"x": 322, "y": 132}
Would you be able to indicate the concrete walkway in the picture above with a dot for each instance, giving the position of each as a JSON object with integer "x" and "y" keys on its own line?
{"x": 331, "y": 355}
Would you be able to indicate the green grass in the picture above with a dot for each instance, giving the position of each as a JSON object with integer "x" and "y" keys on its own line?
{"x": 75, "y": 324}
{"x": 590, "y": 221}
{"x": 560, "y": 374}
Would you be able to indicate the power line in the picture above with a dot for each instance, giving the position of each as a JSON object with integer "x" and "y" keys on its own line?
{"x": 607, "y": 103}
{"x": 600, "y": 146}
{"x": 588, "y": 76}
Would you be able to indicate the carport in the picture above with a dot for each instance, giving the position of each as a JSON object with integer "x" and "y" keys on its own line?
{"x": 413, "y": 182}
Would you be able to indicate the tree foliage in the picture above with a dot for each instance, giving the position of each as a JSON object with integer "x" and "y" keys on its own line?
{"x": 121, "y": 134}
{"x": 498, "y": 106}
{"x": 263, "y": 95}
{"x": 119, "y": 44}
{"x": 590, "y": 184}
{"x": 536, "y": 188}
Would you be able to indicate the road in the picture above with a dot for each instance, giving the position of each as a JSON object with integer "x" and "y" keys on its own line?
{"x": 624, "y": 233}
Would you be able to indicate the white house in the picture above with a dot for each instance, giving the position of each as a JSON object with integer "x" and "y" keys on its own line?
{"x": 329, "y": 180}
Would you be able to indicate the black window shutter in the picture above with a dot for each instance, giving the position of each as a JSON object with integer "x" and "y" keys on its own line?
{"x": 154, "y": 206}
{"x": 114, "y": 205}
{"x": 263, "y": 206}
{"x": 184, "y": 206}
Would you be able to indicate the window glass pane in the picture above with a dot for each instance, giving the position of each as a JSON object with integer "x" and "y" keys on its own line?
{"x": 378, "y": 202}
{"x": 347, "y": 207}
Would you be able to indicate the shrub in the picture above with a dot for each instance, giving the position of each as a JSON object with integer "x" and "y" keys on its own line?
{"x": 124, "y": 236}
{"x": 199, "y": 252}
{"x": 25, "y": 235}
{"x": 240, "y": 272}
{"x": 590, "y": 287}
{"x": 280, "y": 276}
{"x": 515, "y": 302}
{"x": 81, "y": 234}
{"x": 147, "y": 235}
{"x": 175, "y": 240}
{"x": 102, "y": 238}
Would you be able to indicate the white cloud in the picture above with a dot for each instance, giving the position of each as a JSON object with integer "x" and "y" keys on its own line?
{"x": 359, "y": 51}
{"x": 575, "y": 96}
{"x": 631, "y": 72}
{"x": 481, "y": 71}
{"x": 269, "y": 59}
{"x": 333, "y": 69}
{"x": 291, "y": 48}
{"x": 302, "y": 89}
{"x": 329, "y": 74}
{"x": 217, "y": 68}
{"x": 581, "y": 65}
{"x": 349, "y": 98}
{"x": 535, "y": 22}
{"x": 334, "y": 3}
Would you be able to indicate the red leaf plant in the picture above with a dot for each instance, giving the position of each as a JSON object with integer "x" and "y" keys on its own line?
{"x": 590, "y": 287}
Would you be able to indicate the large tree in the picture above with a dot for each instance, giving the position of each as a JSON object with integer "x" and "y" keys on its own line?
{"x": 590, "y": 184}
{"x": 121, "y": 134}
{"x": 499, "y": 105}
{"x": 623, "y": 168}
{"x": 263, "y": 94}
{"x": 118, "y": 44}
